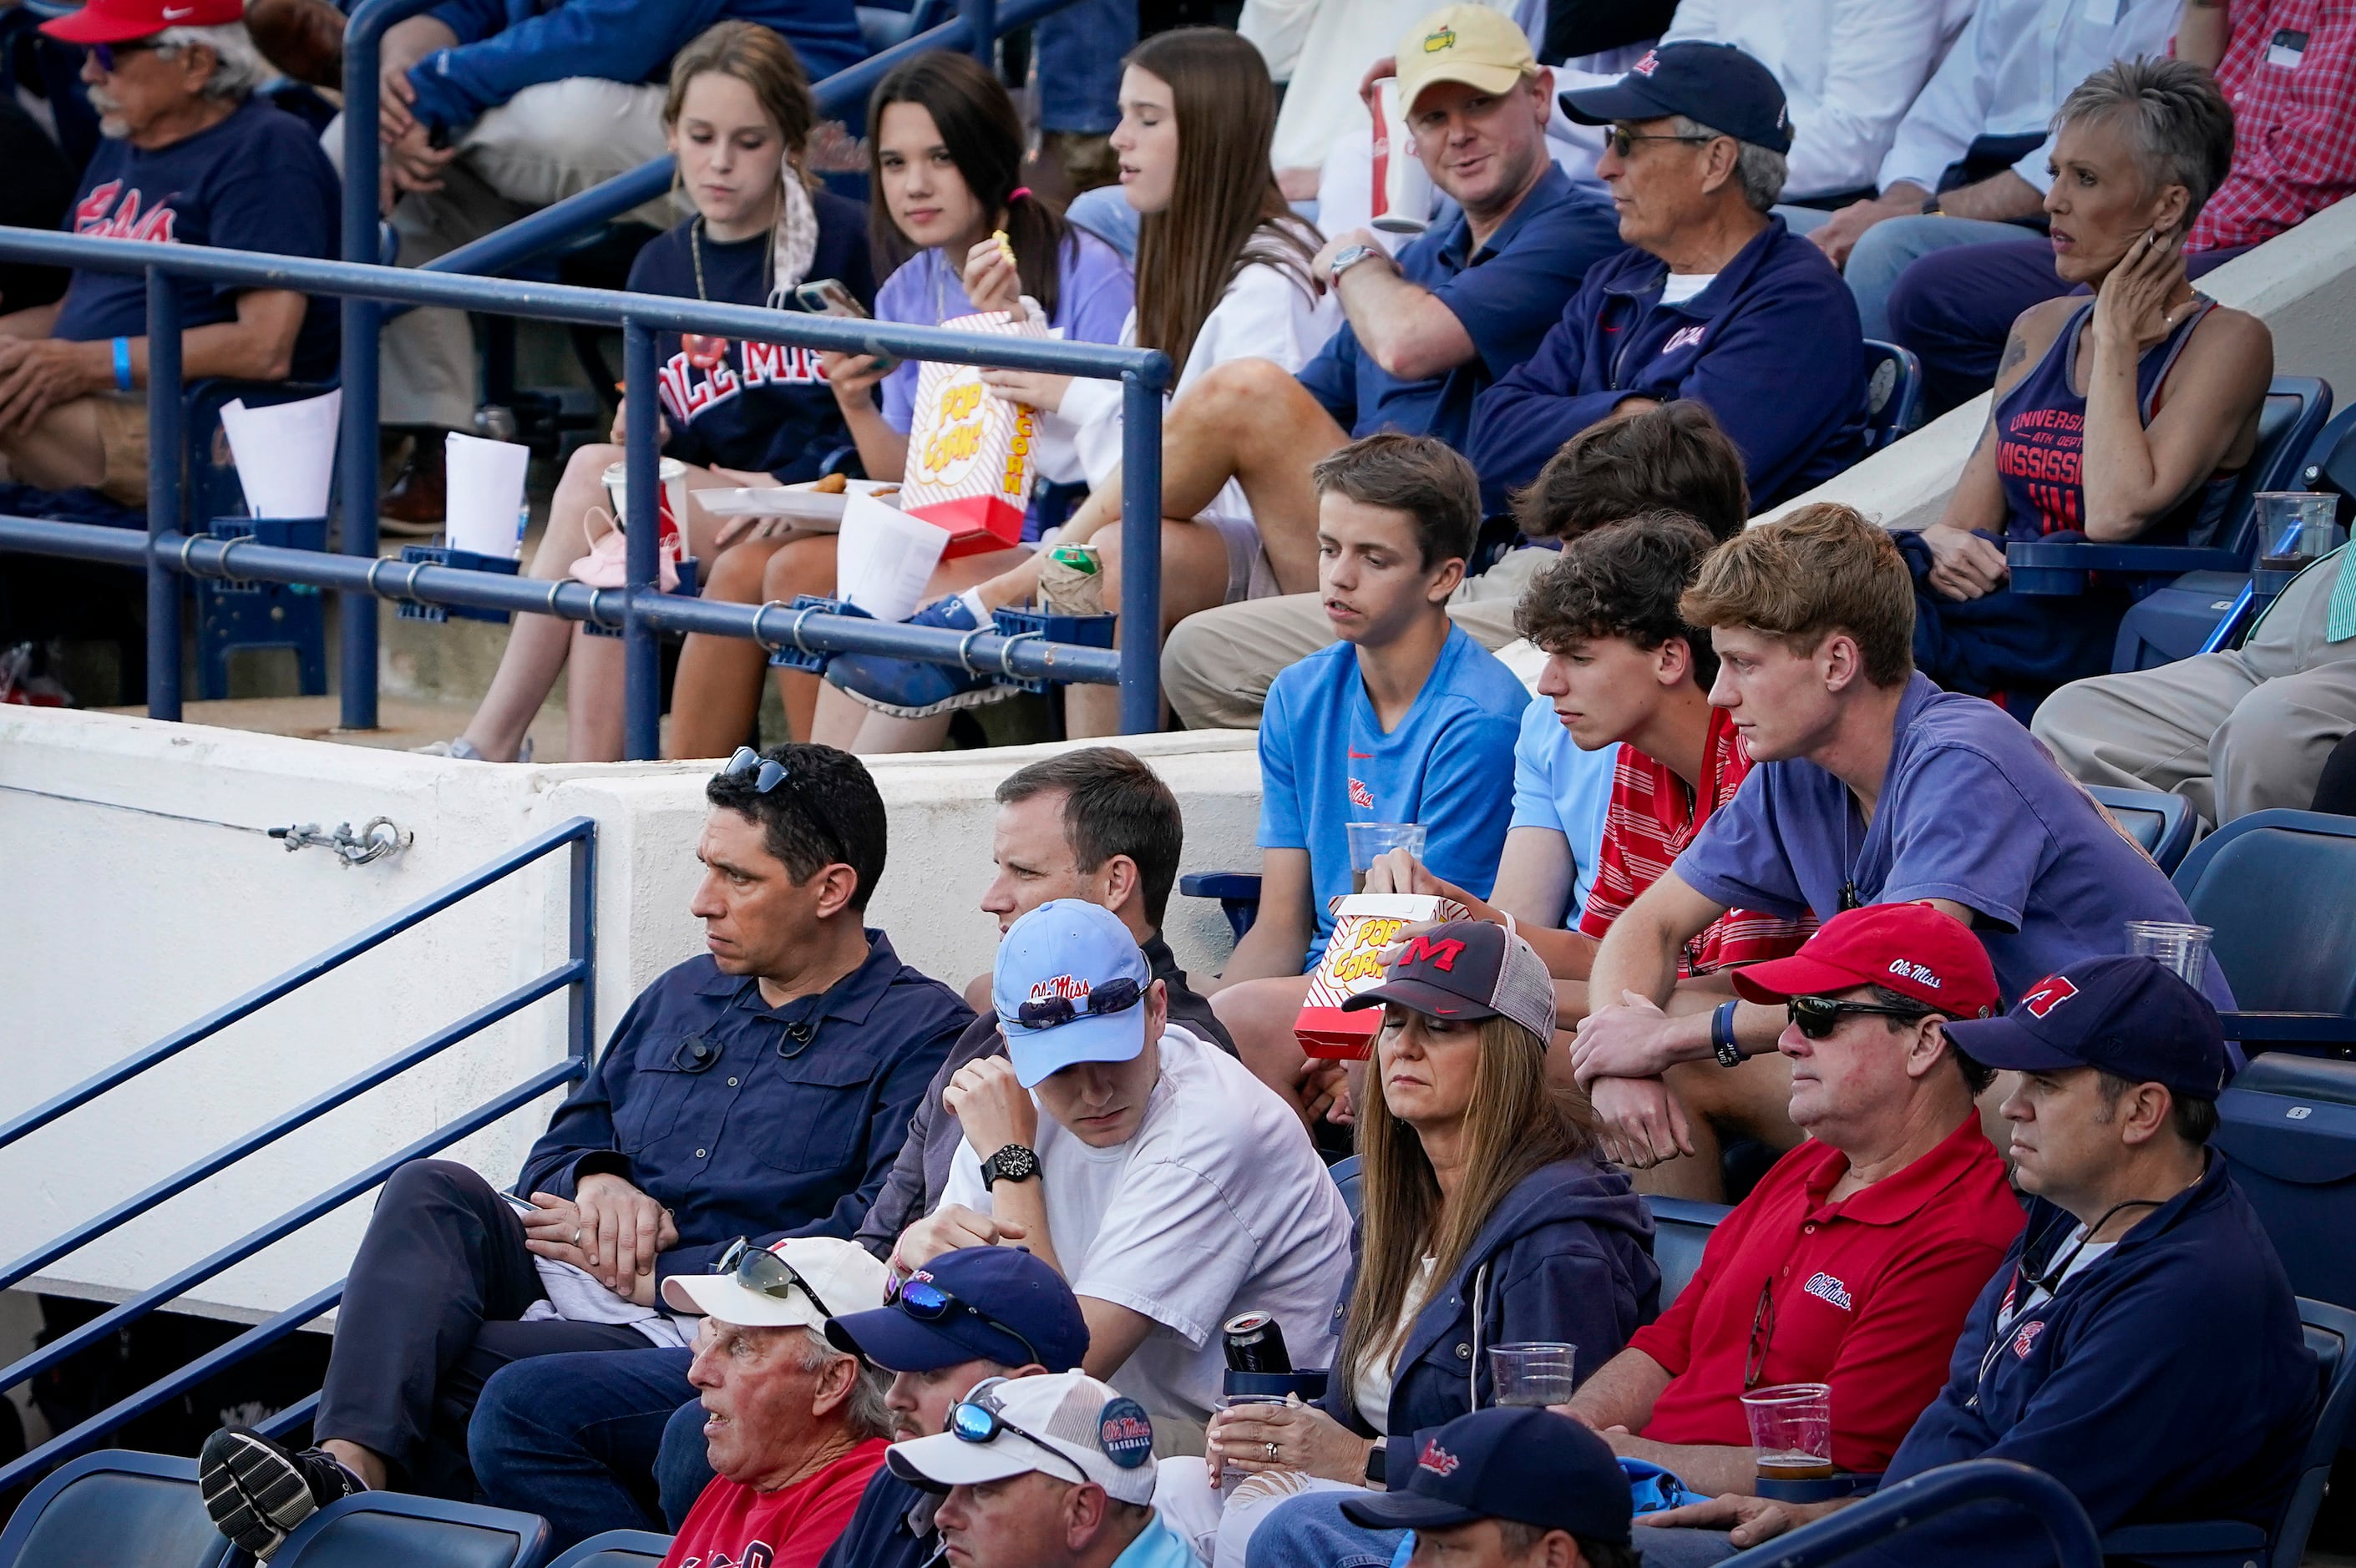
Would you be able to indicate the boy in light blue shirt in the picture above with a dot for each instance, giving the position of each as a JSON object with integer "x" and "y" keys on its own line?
{"x": 1405, "y": 719}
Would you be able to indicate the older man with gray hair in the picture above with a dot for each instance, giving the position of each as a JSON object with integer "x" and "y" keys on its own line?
{"x": 191, "y": 158}
{"x": 1716, "y": 301}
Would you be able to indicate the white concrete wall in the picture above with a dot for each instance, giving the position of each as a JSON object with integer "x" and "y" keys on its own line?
{"x": 118, "y": 923}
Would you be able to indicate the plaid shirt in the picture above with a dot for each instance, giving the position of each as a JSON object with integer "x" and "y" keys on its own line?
{"x": 1653, "y": 817}
{"x": 2294, "y": 125}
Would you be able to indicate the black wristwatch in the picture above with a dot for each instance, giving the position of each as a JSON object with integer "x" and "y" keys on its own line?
{"x": 1375, "y": 1466}
{"x": 1013, "y": 1163}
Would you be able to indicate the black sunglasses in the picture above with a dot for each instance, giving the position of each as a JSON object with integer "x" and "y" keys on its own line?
{"x": 1051, "y": 1012}
{"x": 1762, "y": 1332}
{"x": 1621, "y": 142}
{"x": 107, "y": 54}
{"x": 764, "y": 1273}
{"x": 1817, "y": 1017}
{"x": 928, "y": 1302}
{"x": 766, "y": 772}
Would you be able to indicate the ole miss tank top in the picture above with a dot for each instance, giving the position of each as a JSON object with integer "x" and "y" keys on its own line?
{"x": 2040, "y": 428}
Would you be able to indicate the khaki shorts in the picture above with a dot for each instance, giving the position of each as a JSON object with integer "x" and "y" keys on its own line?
{"x": 122, "y": 443}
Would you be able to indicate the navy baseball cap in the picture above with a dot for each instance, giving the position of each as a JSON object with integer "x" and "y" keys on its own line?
{"x": 2128, "y": 1015}
{"x": 1529, "y": 1466}
{"x": 1068, "y": 986}
{"x": 991, "y": 1304}
{"x": 1715, "y": 84}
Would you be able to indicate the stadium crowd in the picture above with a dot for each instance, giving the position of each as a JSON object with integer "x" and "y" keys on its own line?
{"x": 1766, "y": 850}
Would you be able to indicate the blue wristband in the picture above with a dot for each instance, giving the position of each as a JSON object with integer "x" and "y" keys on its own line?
{"x": 122, "y": 364}
{"x": 1721, "y": 1035}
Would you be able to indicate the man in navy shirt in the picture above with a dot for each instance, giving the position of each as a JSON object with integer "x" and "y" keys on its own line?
{"x": 190, "y": 157}
{"x": 1870, "y": 785}
{"x": 2140, "y": 1344}
{"x": 760, "y": 1089}
{"x": 1718, "y": 301}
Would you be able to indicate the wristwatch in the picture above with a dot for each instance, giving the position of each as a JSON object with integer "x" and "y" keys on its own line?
{"x": 1930, "y": 207}
{"x": 1375, "y": 1466}
{"x": 1013, "y": 1163}
{"x": 1347, "y": 258}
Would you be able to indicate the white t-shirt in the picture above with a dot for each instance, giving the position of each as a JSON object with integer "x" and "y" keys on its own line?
{"x": 1217, "y": 1206}
{"x": 1678, "y": 287}
{"x": 1370, "y": 1389}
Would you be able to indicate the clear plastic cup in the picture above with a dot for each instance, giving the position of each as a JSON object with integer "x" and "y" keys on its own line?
{"x": 1369, "y": 841}
{"x": 1229, "y": 1479}
{"x": 1533, "y": 1372}
{"x": 1792, "y": 1428}
{"x": 2183, "y": 948}
{"x": 2296, "y": 527}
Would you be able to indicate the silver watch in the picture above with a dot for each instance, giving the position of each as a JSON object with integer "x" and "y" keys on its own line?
{"x": 1347, "y": 258}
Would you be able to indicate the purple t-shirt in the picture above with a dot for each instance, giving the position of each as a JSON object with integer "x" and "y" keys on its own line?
{"x": 1972, "y": 810}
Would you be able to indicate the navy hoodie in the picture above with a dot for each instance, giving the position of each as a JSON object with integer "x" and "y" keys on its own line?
{"x": 1772, "y": 347}
{"x": 1568, "y": 1256}
{"x": 2170, "y": 1381}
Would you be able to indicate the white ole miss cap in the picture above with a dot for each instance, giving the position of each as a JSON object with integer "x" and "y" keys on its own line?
{"x": 1065, "y": 1424}
{"x": 800, "y": 1282}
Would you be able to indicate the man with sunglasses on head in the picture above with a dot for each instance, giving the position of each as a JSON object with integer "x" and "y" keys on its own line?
{"x": 761, "y": 1089}
{"x": 1149, "y": 1168}
{"x": 1854, "y": 1260}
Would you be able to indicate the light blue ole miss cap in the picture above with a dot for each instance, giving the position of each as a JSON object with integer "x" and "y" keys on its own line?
{"x": 1070, "y": 986}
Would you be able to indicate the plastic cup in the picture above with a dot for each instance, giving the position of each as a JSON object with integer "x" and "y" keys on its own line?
{"x": 2296, "y": 527}
{"x": 2183, "y": 948}
{"x": 1229, "y": 1479}
{"x": 670, "y": 500}
{"x": 1533, "y": 1372}
{"x": 1792, "y": 1428}
{"x": 1369, "y": 841}
{"x": 1401, "y": 185}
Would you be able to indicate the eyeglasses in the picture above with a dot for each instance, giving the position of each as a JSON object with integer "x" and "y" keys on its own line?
{"x": 1817, "y": 1017}
{"x": 928, "y": 1302}
{"x": 764, "y": 1273}
{"x": 106, "y": 55}
{"x": 1762, "y": 1332}
{"x": 766, "y": 772}
{"x": 1052, "y": 1012}
{"x": 1620, "y": 141}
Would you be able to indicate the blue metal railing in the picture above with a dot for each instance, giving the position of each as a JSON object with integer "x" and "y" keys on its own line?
{"x": 640, "y": 609}
{"x": 575, "y": 977}
{"x": 1895, "y": 1509}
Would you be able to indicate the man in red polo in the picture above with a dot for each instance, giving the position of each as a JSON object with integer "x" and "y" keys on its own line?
{"x": 1855, "y": 1260}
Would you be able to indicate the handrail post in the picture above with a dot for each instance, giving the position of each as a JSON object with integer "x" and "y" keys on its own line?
{"x": 1140, "y": 555}
{"x": 641, "y": 656}
{"x": 164, "y": 494}
{"x": 982, "y": 29}
{"x": 581, "y": 928}
{"x": 356, "y": 451}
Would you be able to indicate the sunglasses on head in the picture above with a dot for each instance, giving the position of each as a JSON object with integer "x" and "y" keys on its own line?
{"x": 765, "y": 773}
{"x": 106, "y": 55}
{"x": 1817, "y": 1017}
{"x": 1113, "y": 997}
{"x": 764, "y": 1273}
{"x": 975, "y": 1418}
{"x": 928, "y": 1302}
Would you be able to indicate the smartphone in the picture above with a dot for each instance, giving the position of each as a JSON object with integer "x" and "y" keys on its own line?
{"x": 827, "y": 296}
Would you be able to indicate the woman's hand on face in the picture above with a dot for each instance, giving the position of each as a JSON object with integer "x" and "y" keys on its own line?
{"x": 851, "y": 374}
{"x": 1304, "y": 1437}
{"x": 2131, "y": 309}
{"x": 990, "y": 280}
{"x": 1963, "y": 564}
{"x": 1042, "y": 391}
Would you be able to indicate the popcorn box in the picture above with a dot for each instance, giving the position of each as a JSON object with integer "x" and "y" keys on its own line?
{"x": 970, "y": 452}
{"x": 1364, "y": 924}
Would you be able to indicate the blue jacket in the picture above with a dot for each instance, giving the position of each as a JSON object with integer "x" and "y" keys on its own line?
{"x": 892, "y": 1527}
{"x": 1568, "y": 1255}
{"x": 1773, "y": 348}
{"x": 2169, "y": 1380}
{"x": 506, "y": 46}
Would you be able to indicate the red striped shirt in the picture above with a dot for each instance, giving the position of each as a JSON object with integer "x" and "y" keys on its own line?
{"x": 1653, "y": 817}
{"x": 2289, "y": 71}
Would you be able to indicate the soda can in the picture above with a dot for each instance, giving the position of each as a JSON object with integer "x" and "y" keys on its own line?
{"x": 1255, "y": 1343}
{"x": 1081, "y": 557}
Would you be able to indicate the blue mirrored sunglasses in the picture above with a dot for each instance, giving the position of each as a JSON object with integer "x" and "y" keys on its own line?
{"x": 766, "y": 772}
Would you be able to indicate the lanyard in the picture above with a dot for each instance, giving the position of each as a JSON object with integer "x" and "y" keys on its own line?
{"x": 2049, "y": 1280}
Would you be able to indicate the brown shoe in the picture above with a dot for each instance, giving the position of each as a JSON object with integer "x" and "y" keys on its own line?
{"x": 305, "y": 38}
{"x": 415, "y": 503}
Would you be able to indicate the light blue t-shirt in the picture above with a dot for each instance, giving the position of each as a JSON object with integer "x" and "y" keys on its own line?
{"x": 1324, "y": 762}
{"x": 1557, "y": 785}
{"x": 1156, "y": 1546}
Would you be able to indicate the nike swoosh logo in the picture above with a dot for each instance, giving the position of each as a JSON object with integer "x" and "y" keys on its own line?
{"x": 171, "y": 14}
{"x": 1360, "y": 756}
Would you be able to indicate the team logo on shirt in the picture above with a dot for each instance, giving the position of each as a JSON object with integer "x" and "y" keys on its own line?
{"x": 1683, "y": 337}
{"x": 1648, "y": 65}
{"x": 99, "y": 215}
{"x": 758, "y": 1555}
{"x": 2026, "y": 1339}
{"x": 1437, "y": 1460}
{"x": 1826, "y": 1288}
{"x": 693, "y": 385}
{"x": 1361, "y": 797}
{"x": 2047, "y": 994}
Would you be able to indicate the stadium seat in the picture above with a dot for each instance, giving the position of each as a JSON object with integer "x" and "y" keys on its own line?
{"x": 375, "y": 1529}
{"x": 2162, "y": 823}
{"x": 617, "y": 1549}
{"x": 1238, "y": 893}
{"x": 883, "y": 25}
{"x": 2288, "y": 1124}
{"x": 1681, "y": 1229}
{"x": 1893, "y": 393}
{"x": 235, "y": 616}
{"x": 2275, "y": 887}
{"x": 115, "y": 1509}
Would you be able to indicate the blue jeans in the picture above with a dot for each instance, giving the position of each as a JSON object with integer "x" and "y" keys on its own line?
{"x": 1681, "y": 1548}
{"x": 1311, "y": 1530}
{"x": 1893, "y": 245}
{"x": 1080, "y": 51}
{"x": 574, "y": 1438}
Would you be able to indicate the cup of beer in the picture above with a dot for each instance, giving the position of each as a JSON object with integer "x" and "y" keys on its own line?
{"x": 1369, "y": 841}
{"x": 2178, "y": 946}
{"x": 1792, "y": 1428}
{"x": 1533, "y": 1372}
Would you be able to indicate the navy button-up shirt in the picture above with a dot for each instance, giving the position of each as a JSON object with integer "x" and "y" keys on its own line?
{"x": 748, "y": 1120}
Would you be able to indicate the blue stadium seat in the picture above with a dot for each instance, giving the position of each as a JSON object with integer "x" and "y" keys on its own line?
{"x": 2279, "y": 890}
{"x": 617, "y": 1549}
{"x": 2162, "y": 823}
{"x": 1893, "y": 393}
{"x": 2288, "y": 1124}
{"x": 236, "y": 617}
{"x": 375, "y": 1530}
{"x": 1238, "y": 893}
{"x": 1681, "y": 1229}
{"x": 115, "y": 1509}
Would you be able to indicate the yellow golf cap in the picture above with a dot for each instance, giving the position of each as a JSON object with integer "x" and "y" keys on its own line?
{"x": 1482, "y": 49}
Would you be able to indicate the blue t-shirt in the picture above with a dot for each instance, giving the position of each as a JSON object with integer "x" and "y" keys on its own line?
{"x": 1559, "y": 786}
{"x": 1508, "y": 295}
{"x": 765, "y": 408}
{"x": 257, "y": 181}
{"x": 1972, "y": 810}
{"x": 1324, "y": 762}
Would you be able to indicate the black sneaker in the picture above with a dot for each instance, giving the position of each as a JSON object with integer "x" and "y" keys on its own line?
{"x": 257, "y": 1491}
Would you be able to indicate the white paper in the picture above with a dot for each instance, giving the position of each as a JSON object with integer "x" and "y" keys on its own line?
{"x": 884, "y": 557}
{"x": 485, "y": 484}
{"x": 813, "y": 511}
{"x": 286, "y": 454}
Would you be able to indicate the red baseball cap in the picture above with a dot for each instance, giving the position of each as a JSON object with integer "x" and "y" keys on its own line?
{"x": 1910, "y": 948}
{"x": 119, "y": 21}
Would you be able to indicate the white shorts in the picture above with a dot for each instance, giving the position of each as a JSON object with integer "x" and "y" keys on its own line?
{"x": 1249, "y": 575}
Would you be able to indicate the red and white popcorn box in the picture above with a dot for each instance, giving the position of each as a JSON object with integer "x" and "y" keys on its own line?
{"x": 970, "y": 452}
{"x": 1364, "y": 925}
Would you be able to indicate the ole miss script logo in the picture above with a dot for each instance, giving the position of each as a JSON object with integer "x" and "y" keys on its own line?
{"x": 2047, "y": 994}
{"x": 1361, "y": 797}
{"x": 99, "y": 215}
{"x": 694, "y": 384}
{"x": 1438, "y": 1460}
{"x": 758, "y": 1555}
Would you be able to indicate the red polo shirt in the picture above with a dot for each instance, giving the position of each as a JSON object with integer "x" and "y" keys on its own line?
{"x": 1867, "y": 1295}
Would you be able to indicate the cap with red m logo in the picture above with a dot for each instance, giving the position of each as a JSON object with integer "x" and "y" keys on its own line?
{"x": 1468, "y": 969}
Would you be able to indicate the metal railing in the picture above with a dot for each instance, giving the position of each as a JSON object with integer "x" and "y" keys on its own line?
{"x": 574, "y": 977}
{"x": 1935, "y": 1493}
{"x": 640, "y": 608}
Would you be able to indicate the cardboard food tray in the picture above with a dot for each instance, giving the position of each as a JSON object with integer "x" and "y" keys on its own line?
{"x": 817, "y": 510}
{"x": 1364, "y": 925}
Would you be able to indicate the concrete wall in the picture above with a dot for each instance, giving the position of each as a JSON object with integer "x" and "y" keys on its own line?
{"x": 137, "y": 892}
